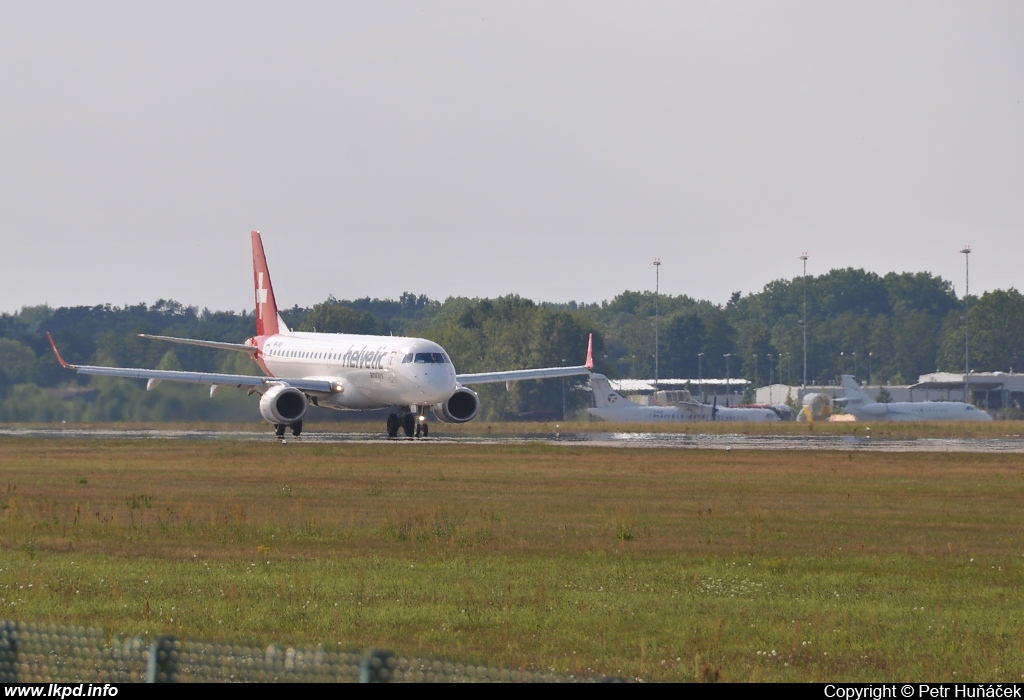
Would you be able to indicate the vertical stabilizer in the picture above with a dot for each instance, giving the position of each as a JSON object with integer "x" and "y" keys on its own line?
{"x": 604, "y": 395}
{"x": 267, "y": 320}
{"x": 854, "y": 394}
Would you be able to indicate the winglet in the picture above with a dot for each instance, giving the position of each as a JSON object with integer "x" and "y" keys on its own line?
{"x": 590, "y": 354}
{"x": 57, "y": 352}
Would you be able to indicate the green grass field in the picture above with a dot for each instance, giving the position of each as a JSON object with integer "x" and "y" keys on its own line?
{"x": 651, "y": 563}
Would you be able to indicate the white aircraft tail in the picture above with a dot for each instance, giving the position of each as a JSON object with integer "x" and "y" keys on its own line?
{"x": 604, "y": 395}
{"x": 854, "y": 394}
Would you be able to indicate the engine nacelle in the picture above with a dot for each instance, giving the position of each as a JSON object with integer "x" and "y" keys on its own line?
{"x": 461, "y": 407}
{"x": 283, "y": 404}
{"x": 816, "y": 407}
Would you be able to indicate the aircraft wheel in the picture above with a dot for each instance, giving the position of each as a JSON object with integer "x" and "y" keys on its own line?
{"x": 409, "y": 424}
{"x": 426, "y": 429}
{"x": 279, "y": 429}
{"x": 297, "y": 428}
{"x": 394, "y": 423}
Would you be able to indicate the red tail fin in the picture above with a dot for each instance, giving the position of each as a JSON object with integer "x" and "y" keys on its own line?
{"x": 590, "y": 353}
{"x": 266, "y": 306}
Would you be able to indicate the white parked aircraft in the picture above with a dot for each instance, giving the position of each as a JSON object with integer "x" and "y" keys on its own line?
{"x": 864, "y": 408}
{"x": 612, "y": 406}
{"x": 409, "y": 376}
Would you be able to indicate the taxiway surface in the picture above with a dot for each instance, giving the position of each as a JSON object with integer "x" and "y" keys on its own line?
{"x": 1009, "y": 444}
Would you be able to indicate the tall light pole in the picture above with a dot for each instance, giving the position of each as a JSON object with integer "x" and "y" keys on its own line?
{"x": 727, "y": 356}
{"x": 563, "y": 393}
{"x": 871, "y": 355}
{"x": 854, "y": 353}
{"x": 657, "y": 271}
{"x": 803, "y": 258}
{"x": 967, "y": 321}
{"x": 700, "y": 373}
{"x": 771, "y": 376}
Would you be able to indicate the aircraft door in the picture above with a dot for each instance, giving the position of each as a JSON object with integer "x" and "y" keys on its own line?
{"x": 391, "y": 366}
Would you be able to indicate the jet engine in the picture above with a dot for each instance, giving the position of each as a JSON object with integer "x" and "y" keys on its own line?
{"x": 283, "y": 404}
{"x": 461, "y": 407}
{"x": 817, "y": 407}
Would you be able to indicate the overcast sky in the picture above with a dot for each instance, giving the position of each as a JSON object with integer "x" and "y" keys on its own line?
{"x": 549, "y": 149}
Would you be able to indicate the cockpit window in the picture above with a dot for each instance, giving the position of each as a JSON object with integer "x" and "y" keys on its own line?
{"x": 407, "y": 358}
{"x": 438, "y": 358}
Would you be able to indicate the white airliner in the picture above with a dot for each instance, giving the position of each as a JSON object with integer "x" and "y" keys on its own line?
{"x": 612, "y": 406}
{"x": 864, "y": 408}
{"x": 409, "y": 376}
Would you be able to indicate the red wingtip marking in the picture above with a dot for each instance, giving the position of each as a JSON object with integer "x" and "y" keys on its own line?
{"x": 590, "y": 353}
{"x": 57, "y": 352}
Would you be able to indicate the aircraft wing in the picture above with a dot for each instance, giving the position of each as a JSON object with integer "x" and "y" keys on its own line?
{"x": 520, "y": 374}
{"x": 158, "y": 375}
{"x": 510, "y": 377}
{"x": 238, "y": 347}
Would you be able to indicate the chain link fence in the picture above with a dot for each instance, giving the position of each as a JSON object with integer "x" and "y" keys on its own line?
{"x": 44, "y": 653}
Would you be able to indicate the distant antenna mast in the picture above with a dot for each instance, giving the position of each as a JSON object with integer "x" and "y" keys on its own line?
{"x": 657, "y": 268}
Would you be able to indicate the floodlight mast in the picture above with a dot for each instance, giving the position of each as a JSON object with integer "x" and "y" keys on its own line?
{"x": 967, "y": 323}
{"x": 803, "y": 257}
{"x": 727, "y": 356}
{"x": 700, "y": 373}
{"x": 657, "y": 269}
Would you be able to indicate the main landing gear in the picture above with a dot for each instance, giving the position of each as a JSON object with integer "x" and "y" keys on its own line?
{"x": 394, "y": 422}
{"x": 280, "y": 428}
{"x": 412, "y": 424}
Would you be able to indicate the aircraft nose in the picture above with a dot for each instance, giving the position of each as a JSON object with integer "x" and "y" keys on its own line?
{"x": 439, "y": 384}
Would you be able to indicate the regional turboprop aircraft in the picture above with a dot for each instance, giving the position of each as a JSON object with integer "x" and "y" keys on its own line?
{"x": 612, "y": 406}
{"x": 409, "y": 376}
{"x": 864, "y": 408}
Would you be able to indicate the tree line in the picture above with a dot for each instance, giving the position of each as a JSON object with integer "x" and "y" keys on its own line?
{"x": 886, "y": 329}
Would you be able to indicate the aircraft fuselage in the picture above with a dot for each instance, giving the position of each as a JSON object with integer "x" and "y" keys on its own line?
{"x": 368, "y": 371}
{"x": 684, "y": 414}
